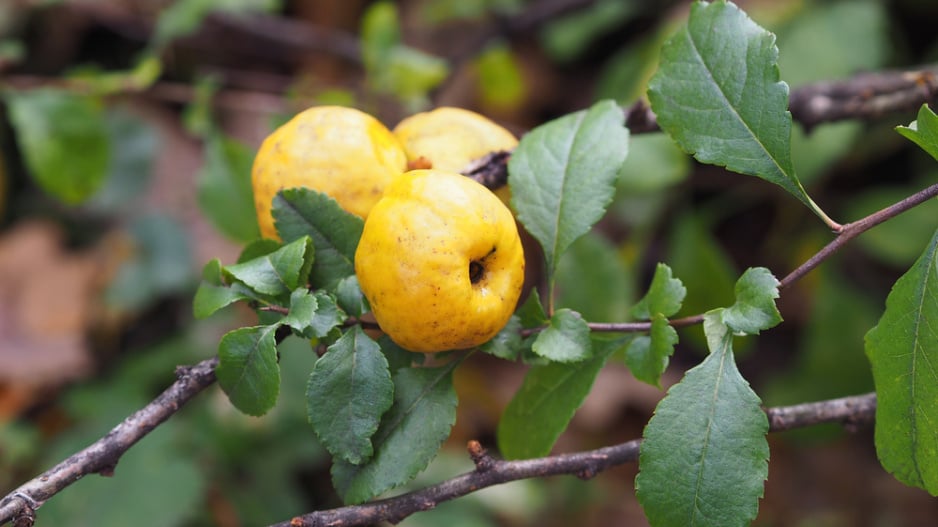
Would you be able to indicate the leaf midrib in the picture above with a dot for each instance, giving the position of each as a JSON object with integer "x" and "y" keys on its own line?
{"x": 707, "y": 68}
{"x": 724, "y": 352}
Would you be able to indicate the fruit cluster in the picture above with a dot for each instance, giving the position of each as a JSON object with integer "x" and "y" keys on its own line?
{"x": 440, "y": 259}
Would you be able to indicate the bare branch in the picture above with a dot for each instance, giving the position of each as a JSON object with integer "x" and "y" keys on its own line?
{"x": 864, "y": 96}
{"x": 101, "y": 457}
{"x": 852, "y": 230}
{"x": 851, "y": 411}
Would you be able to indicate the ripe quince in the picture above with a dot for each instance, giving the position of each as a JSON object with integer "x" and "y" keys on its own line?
{"x": 342, "y": 152}
{"x": 451, "y": 139}
{"x": 440, "y": 261}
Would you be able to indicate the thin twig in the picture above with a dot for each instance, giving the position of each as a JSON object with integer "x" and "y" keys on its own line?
{"x": 852, "y": 230}
{"x": 102, "y": 456}
{"x": 847, "y": 233}
{"x": 850, "y": 411}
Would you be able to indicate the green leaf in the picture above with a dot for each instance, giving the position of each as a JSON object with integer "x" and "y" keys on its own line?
{"x": 134, "y": 146}
{"x": 224, "y": 188}
{"x": 754, "y": 310}
{"x": 302, "y": 212}
{"x": 350, "y": 297}
{"x": 247, "y": 368}
{"x": 258, "y": 248}
{"x": 410, "y": 74}
{"x": 563, "y": 175}
{"x": 349, "y": 389}
{"x": 648, "y": 355}
{"x": 397, "y": 356}
{"x": 210, "y": 298}
{"x": 327, "y": 317}
{"x": 279, "y": 272}
{"x": 565, "y": 339}
{"x": 531, "y": 313}
{"x": 704, "y": 457}
{"x": 923, "y": 131}
{"x": 64, "y": 140}
{"x": 185, "y": 16}
{"x": 506, "y": 344}
{"x": 303, "y": 306}
{"x": 380, "y": 33}
{"x": 903, "y": 349}
{"x": 501, "y": 82}
{"x": 717, "y": 93}
{"x": 542, "y": 408}
{"x": 568, "y": 37}
{"x": 594, "y": 280}
{"x": 410, "y": 434}
{"x": 392, "y": 67}
{"x": 664, "y": 296}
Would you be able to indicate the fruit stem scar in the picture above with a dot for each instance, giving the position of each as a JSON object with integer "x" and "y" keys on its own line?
{"x": 476, "y": 269}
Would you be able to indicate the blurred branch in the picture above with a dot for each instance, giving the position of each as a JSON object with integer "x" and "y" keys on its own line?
{"x": 101, "y": 457}
{"x": 852, "y": 412}
{"x": 865, "y": 96}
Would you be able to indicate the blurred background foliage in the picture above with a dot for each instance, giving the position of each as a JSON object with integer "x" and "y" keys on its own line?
{"x": 128, "y": 133}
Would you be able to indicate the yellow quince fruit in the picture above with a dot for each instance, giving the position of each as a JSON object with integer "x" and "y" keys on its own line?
{"x": 339, "y": 151}
{"x": 451, "y": 139}
{"x": 440, "y": 261}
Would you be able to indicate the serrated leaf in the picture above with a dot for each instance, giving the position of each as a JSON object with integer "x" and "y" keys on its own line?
{"x": 247, "y": 368}
{"x": 302, "y": 309}
{"x": 542, "y": 408}
{"x": 64, "y": 141}
{"x": 302, "y": 212}
{"x": 532, "y": 313}
{"x": 717, "y": 93}
{"x": 563, "y": 175}
{"x": 923, "y": 131}
{"x": 350, "y": 297}
{"x": 754, "y": 310}
{"x": 565, "y": 339}
{"x": 410, "y": 434}
{"x": 903, "y": 349}
{"x": 704, "y": 457}
{"x": 349, "y": 390}
{"x": 328, "y": 315}
{"x": 397, "y": 356}
{"x": 224, "y": 188}
{"x": 209, "y": 298}
{"x": 506, "y": 344}
{"x": 648, "y": 355}
{"x": 279, "y": 272}
{"x": 664, "y": 296}
{"x": 258, "y": 248}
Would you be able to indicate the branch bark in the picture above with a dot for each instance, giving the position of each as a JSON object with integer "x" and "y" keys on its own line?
{"x": 101, "y": 457}
{"x": 865, "y": 96}
{"x": 853, "y": 412}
